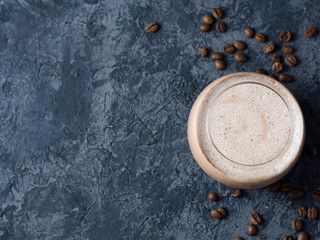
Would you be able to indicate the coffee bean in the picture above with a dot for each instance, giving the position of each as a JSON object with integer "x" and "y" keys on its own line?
{"x": 316, "y": 195}
{"x": 255, "y": 218}
{"x": 204, "y": 27}
{"x": 207, "y": 18}
{"x": 252, "y": 230}
{"x": 277, "y": 67}
{"x": 276, "y": 58}
{"x": 310, "y": 32}
{"x": 318, "y": 187}
{"x": 240, "y": 45}
{"x": 203, "y": 52}
{"x": 249, "y": 32}
{"x": 303, "y": 212}
{"x": 152, "y": 27}
{"x": 290, "y": 60}
{"x": 262, "y": 71}
{"x": 217, "y": 13}
{"x": 296, "y": 224}
{"x": 287, "y": 49}
{"x": 287, "y": 238}
{"x": 240, "y": 57}
{"x": 312, "y": 151}
{"x": 217, "y": 55}
{"x": 216, "y": 214}
{"x": 295, "y": 194}
{"x": 221, "y": 27}
{"x": 312, "y": 213}
{"x": 260, "y": 37}
{"x": 219, "y": 64}
{"x": 236, "y": 193}
{"x": 302, "y": 236}
{"x": 272, "y": 76}
{"x": 223, "y": 211}
{"x": 269, "y": 47}
{"x": 212, "y": 196}
{"x": 238, "y": 238}
{"x": 229, "y": 48}
{"x": 285, "y": 36}
{"x": 286, "y": 186}
{"x": 283, "y": 77}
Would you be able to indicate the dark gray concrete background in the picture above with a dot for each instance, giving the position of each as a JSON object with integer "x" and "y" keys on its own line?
{"x": 94, "y": 112}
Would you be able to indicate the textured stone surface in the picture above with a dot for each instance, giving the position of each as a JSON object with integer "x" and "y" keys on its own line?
{"x": 94, "y": 113}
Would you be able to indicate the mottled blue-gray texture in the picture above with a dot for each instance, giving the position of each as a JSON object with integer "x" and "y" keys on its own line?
{"x": 94, "y": 112}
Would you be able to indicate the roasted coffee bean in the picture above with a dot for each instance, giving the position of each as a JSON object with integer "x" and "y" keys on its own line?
{"x": 269, "y": 47}
{"x": 310, "y": 32}
{"x": 283, "y": 77}
{"x": 277, "y": 67}
{"x": 318, "y": 187}
{"x": 221, "y": 27}
{"x": 217, "y": 13}
{"x": 204, "y": 27}
{"x": 290, "y": 60}
{"x": 219, "y": 64}
{"x": 276, "y": 58}
{"x": 229, "y": 48}
{"x": 203, "y": 52}
{"x": 238, "y": 238}
{"x": 286, "y": 186}
{"x": 295, "y": 194}
{"x": 287, "y": 238}
{"x": 236, "y": 193}
{"x": 207, "y": 18}
{"x": 312, "y": 151}
{"x": 255, "y": 218}
{"x": 262, "y": 71}
{"x": 216, "y": 214}
{"x": 212, "y": 196}
{"x": 285, "y": 36}
{"x": 240, "y": 45}
{"x": 272, "y": 76}
{"x": 302, "y": 236}
{"x": 260, "y": 37}
{"x": 303, "y": 212}
{"x": 296, "y": 224}
{"x": 240, "y": 57}
{"x": 152, "y": 27}
{"x": 252, "y": 230}
{"x": 287, "y": 49}
{"x": 312, "y": 213}
{"x": 316, "y": 195}
{"x": 217, "y": 55}
{"x": 223, "y": 211}
{"x": 249, "y": 32}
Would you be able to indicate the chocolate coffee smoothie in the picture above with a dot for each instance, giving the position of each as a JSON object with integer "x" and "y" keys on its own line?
{"x": 246, "y": 130}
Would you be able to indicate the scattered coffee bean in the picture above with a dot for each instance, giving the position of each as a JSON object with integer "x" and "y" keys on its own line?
{"x": 217, "y": 55}
{"x": 262, "y": 71}
{"x": 240, "y": 45}
{"x": 223, "y": 211}
{"x": 287, "y": 238}
{"x": 283, "y": 77}
{"x": 286, "y": 186}
{"x": 295, "y": 194}
{"x": 219, "y": 64}
{"x": 318, "y": 187}
{"x": 277, "y": 67}
{"x": 316, "y": 195}
{"x": 310, "y": 32}
{"x": 236, "y": 193}
{"x": 229, "y": 48}
{"x": 312, "y": 213}
{"x": 296, "y": 224}
{"x": 221, "y": 27}
{"x": 285, "y": 36}
{"x": 216, "y": 214}
{"x": 240, "y": 57}
{"x": 312, "y": 151}
{"x": 276, "y": 58}
{"x": 249, "y": 32}
{"x": 152, "y": 27}
{"x": 252, "y": 230}
{"x": 203, "y": 52}
{"x": 260, "y": 37}
{"x": 255, "y": 218}
{"x": 238, "y": 238}
{"x": 290, "y": 60}
{"x": 269, "y": 47}
{"x": 204, "y": 27}
{"x": 272, "y": 76}
{"x": 212, "y": 196}
{"x": 207, "y": 18}
{"x": 287, "y": 49}
{"x": 303, "y": 212}
{"x": 217, "y": 13}
{"x": 302, "y": 236}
